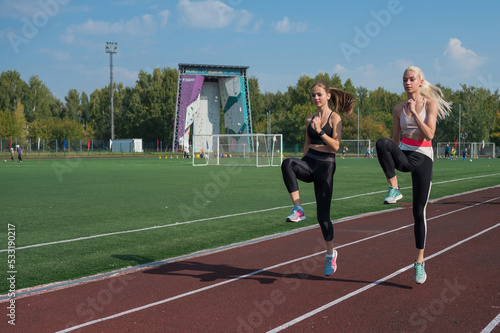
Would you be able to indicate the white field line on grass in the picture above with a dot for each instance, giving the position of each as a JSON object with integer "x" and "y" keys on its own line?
{"x": 192, "y": 292}
{"x": 231, "y": 215}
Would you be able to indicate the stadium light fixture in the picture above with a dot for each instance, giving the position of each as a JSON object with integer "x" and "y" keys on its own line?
{"x": 111, "y": 48}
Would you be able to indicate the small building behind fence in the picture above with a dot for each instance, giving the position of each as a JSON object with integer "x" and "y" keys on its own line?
{"x": 126, "y": 146}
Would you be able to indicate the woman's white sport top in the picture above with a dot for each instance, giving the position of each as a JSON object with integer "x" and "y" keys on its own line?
{"x": 408, "y": 124}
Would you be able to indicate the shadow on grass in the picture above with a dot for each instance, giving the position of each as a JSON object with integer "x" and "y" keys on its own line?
{"x": 133, "y": 258}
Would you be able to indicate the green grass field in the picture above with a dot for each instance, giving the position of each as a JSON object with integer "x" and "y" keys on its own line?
{"x": 53, "y": 200}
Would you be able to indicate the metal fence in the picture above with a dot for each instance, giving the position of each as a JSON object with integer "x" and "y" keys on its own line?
{"x": 42, "y": 146}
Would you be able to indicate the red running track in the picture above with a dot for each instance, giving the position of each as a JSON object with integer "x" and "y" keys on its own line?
{"x": 278, "y": 284}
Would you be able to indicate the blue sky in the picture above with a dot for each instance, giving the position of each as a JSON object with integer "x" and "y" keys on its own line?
{"x": 371, "y": 42}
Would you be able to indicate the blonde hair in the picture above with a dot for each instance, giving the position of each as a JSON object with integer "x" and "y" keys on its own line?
{"x": 432, "y": 92}
{"x": 340, "y": 101}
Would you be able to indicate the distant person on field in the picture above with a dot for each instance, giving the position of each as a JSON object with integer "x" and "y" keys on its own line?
{"x": 464, "y": 155}
{"x": 12, "y": 154}
{"x": 367, "y": 153}
{"x": 344, "y": 151}
{"x": 416, "y": 118}
{"x": 453, "y": 153}
{"x": 323, "y": 136}
{"x": 447, "y": 151}
{"x": 19, "y": 152}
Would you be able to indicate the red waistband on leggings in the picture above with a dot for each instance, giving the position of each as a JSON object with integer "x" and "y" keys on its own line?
{"x": 416, "y": 143}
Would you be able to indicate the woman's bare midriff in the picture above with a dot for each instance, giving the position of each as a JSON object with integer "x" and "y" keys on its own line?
{"x": 415, "y": 136}
{"x": 321, "y": 148}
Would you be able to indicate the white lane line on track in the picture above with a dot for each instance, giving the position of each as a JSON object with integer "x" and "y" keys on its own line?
{"x": 232, "y": 215}
{"x": 356, "y": 292}
{"x": 491, "y": 326}
{"x": 120, "y": 314}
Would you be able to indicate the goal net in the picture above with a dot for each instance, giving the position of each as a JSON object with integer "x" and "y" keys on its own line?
{"x": 355, "y": 148}
{"x": 474, "y": 149}
{"x": 237, "y": 149}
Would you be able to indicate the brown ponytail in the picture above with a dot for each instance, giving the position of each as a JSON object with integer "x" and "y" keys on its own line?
{"x": 340, "y": 101}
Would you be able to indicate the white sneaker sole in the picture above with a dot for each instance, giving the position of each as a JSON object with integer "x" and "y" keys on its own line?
{"x": 296, "y": 220}
{"x": 392, "y": 201}
{"x": 425, "y": 278}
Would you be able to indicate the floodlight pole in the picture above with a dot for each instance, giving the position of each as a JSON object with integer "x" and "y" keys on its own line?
{"x": 358, "y": 131}
{"x": 459, "y": 127}
{"x": 111, "y": 47}
{"x": 268, "y": 122}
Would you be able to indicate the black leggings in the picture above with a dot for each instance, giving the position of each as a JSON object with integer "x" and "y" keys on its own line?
{"x": 317, "y": 167}
{"x": 392, "y": 158}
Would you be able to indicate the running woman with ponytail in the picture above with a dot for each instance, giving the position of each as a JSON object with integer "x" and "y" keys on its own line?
{"x": 416, "y": 118}
{"x": 323, "y": 134}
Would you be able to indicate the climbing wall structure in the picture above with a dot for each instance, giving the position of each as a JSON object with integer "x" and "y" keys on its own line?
{"x": 202, "y": 92}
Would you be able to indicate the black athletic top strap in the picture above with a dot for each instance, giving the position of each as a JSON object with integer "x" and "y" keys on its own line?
{"x": 315, "y": 137}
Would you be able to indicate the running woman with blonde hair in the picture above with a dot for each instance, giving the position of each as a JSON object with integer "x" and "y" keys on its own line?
{"x": 416, "y": 119}
{"x": 323, "y": 135}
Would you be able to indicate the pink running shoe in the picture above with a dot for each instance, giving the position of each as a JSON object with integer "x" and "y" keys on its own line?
{"x": 297, "y": 215}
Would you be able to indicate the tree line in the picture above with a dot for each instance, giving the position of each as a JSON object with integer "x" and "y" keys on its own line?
{"x": 29, "y": 110}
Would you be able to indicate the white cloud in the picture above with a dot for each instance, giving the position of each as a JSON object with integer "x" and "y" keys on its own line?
{"x": 339, "y": 69}
{"x": 164, "y": 18}
{"x": 286, "y": 26}
{"x": 55, "y": 54}
{"x": 243, "y": 19}
{"x": 18, "y": 9}
{"x": 29, "y": 8}
{"x": 145, "y": 25}
{"x": 257, "y": 26}
{"x": 126, "y": 76}
{"x": 212, "y": 14}
{"x": 457, "y": 61}
{"x": 208, "y": 14}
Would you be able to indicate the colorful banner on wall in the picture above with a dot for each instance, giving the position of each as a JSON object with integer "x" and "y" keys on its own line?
{"x": 190, "y": 90}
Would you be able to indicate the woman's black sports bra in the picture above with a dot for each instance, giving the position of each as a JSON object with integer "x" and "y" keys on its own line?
{"x": 315, "y": 137}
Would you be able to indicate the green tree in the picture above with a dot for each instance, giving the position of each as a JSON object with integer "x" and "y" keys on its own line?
{"x": 301, "y": 93}
{"x": 13, "y": 123}
{"x": 12, "y": 90}
{"x": 257, "y": 103}
{"x": 99, "y": 113}
{"x": 72, "y": 109}
{"x": 84, "y": 103}
{"x": 38, "y": 100}
{"x": 495, "y": 130}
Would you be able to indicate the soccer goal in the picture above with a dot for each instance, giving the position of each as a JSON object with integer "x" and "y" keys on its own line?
{"x": 355, "y": 148}
{"x": 482, "y": 149}
{"x": 474, "y": 149}
{"x": 237, "y": 149}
